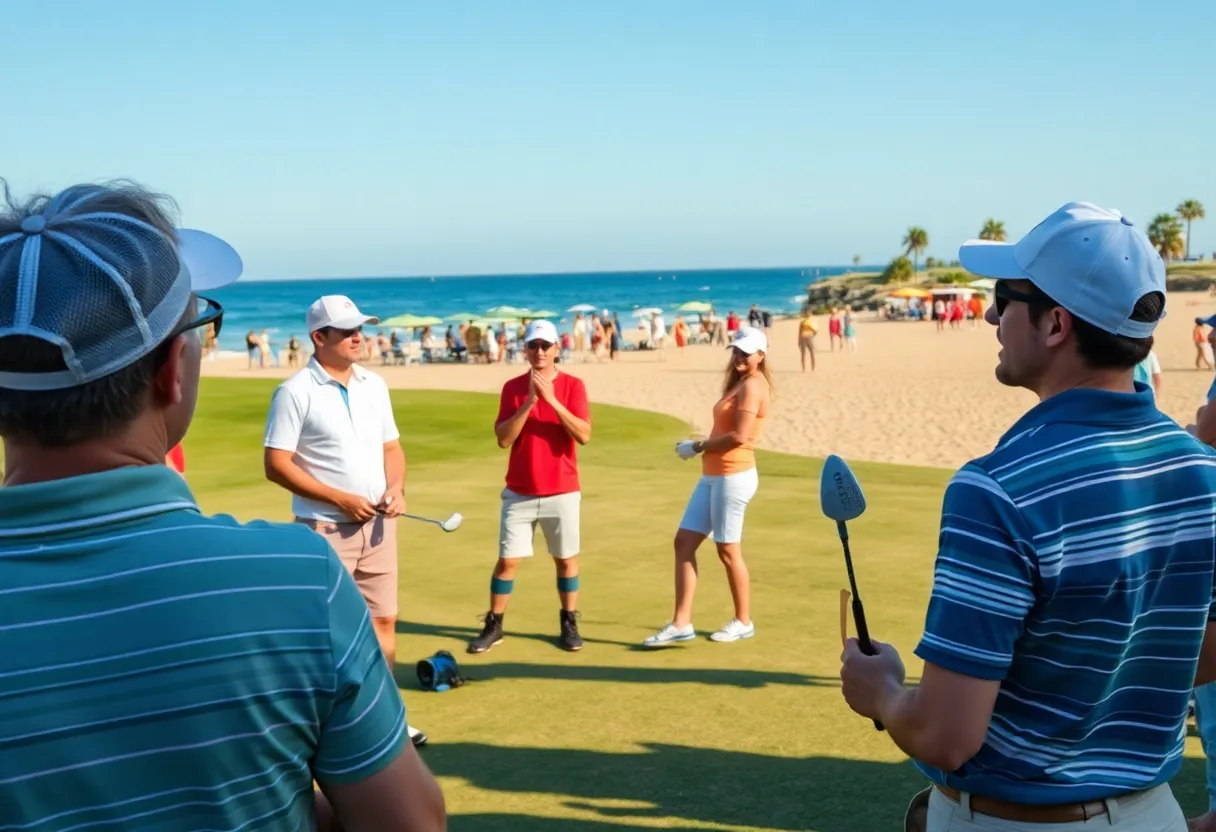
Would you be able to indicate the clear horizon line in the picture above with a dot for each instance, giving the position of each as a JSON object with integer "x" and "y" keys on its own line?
{"x": 591, "y": 273}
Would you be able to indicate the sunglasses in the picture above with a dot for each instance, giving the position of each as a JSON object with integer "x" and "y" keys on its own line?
{"x": 1002, "y": 294}
{"x": 207, "y": 311}
{"x": 343, "y": 334}
{"x": 539, "y": 345}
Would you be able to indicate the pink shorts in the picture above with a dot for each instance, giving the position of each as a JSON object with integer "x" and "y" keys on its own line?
{"x": 369, "y": 553}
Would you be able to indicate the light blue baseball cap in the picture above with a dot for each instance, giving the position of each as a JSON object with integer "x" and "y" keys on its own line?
{"x": 104, "y": 287}
{"x": 1092, "y": 261}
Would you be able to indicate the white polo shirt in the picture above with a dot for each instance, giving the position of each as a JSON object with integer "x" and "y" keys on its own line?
{"x": 336, "y": 433}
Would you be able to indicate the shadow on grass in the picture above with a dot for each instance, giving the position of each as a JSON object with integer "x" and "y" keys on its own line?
{"x": 415, "y": 628}
{"x": 705, "y": 785}
{"x": 406, "y": 675}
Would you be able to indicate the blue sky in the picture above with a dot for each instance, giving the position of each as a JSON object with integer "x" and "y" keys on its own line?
{"x": 377, "y": 138}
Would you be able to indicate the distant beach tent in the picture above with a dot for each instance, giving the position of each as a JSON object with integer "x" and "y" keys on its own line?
{"x": 984, "y": 284}
{"x": 695, "y": 306}
{"x": 408, "y": 321}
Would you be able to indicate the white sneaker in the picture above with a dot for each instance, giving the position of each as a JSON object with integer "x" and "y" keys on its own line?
{"x": 669, "y": 635}
{"x": 734, "y": 630}
{"x": 417, "y": 738}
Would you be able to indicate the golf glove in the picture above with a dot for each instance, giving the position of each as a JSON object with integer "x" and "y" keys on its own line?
{"x": 686, "y": 449}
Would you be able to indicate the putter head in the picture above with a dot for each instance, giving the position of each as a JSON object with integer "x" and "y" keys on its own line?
{"x": 839, "y": 493}
{"x": 452, "y": 523}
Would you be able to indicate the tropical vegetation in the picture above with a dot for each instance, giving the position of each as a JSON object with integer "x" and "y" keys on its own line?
{"x": 915, "y": 242}
{"x": 1189, "y": 210}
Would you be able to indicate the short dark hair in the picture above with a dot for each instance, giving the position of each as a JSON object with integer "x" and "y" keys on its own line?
{"x": 103, "y": 407}
{"x": 1099, "y": 349}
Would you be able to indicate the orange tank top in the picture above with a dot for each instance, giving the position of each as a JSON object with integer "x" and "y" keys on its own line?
{"x": 742, "y": 458}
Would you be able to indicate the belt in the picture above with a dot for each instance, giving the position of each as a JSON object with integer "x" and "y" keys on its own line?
{"x": 1026, "y": 813}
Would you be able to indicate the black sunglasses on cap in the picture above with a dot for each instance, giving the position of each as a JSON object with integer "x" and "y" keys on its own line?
{"x": 1002, "y": 294}
{"x": 537, "y": 344}
{"x": 208, "y": 311}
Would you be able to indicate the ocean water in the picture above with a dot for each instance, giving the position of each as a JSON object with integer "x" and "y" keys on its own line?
{"x": 279, "y": 305}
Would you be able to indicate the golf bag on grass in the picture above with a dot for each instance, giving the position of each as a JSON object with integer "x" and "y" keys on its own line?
{"x": 440, "y": 672}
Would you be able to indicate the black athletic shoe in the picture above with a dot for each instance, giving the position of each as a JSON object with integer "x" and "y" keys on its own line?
{"x": 570, "y": 639}
{"x": 491, "y": 634}
{"x": 417, "y": 738}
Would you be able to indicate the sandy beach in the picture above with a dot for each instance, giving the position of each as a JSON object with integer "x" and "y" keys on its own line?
{"x": 909, "y": 394}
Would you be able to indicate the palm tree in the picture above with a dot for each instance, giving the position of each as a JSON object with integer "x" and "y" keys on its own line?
{"x": 1165, "y": 233}
{"x": 1189, "y": 209}
{"x": 993, "y": 230}
{"x": 916, "y": 241}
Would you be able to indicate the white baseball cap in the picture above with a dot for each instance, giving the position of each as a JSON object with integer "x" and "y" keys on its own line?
{"x": 337, "y": 311}
{"x": 750, "y": 340}
{"x": 542, "y": 331}
{"x": 1092, "y": 261}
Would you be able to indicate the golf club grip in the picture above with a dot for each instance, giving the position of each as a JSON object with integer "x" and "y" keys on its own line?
{"x": 863, "y": 639}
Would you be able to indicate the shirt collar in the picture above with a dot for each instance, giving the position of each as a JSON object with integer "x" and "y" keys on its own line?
{"x": 92, "y": 500}
{"x": 320, "y": 376}
{"x": 1089, "y": 406}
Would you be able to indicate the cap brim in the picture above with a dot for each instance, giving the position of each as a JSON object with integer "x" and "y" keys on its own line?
{"x": 989, "y": 258}
{"x": 353, "y": 321}
{"x": 212, "y": 263}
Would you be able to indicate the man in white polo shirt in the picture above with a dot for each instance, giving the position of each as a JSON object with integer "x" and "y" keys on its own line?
{"x": 332, "y": 441}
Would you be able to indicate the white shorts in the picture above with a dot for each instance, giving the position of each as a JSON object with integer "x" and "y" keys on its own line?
{"x": 716, "y": 506}
{"x": 557, "y": 517}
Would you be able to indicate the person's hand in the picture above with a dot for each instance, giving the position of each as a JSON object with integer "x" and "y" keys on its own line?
{"x": 392, "y": 503}
{"x": 542, "y": 387}
{"x": 867, "y": 680}
{"x": 686, "y": 449}
{"x": 359, "y": 509}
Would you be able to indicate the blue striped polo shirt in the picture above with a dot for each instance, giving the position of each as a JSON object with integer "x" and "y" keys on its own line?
{"x": 1075, "y": 565}
{"x": 165, "y": 670}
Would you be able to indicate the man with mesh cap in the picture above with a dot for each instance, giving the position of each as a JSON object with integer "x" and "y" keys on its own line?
{"x": 1072, "y": 608}
{"x": 164, "y": 669}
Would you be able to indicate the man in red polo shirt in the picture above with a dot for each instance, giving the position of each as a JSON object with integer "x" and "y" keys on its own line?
{"x": 542, "y": 414}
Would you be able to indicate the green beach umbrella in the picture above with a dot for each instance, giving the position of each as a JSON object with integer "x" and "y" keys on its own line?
{"x": 695, "y": 306}
{"x": 544, "y": 313}
{"x": 408, "y": 321}
{"x": 461, "y": 317}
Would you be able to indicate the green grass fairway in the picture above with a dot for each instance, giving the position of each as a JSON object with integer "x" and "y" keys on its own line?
{"x": 745, "y": 736}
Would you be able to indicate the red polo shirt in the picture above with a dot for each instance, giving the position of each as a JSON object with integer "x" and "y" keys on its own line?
{"x": 543, "y": 459}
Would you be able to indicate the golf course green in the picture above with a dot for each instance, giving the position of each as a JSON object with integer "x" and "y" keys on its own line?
{"x": 746, "y": 736}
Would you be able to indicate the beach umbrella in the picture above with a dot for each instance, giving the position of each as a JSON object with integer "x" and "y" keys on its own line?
{"x": 910, "y": 292}
{"x": 647, "y": 311}
{"x": 695, "y": 306}
{"x": 507, "y": 312}
{"x": 987, "y": 284}
{"x": 544, "y": 313}
{"x": 461, "y": 317}
{"x": 583, "y": 307}
{"x": 409, "y": 321}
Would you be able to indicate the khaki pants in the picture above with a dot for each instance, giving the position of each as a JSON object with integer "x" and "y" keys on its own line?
{"x": 1155, "y": 810}
{"x": 369, "y": 553}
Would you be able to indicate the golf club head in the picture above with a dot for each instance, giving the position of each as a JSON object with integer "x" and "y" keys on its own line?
{"x": 839, "y": 492}
{"x": 452, "y": 523}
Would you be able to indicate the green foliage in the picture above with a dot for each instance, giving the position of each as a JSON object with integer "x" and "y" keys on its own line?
{"x": 900, "y": 270}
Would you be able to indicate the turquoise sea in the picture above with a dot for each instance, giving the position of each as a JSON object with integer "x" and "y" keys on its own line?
{"x": 279, "y": 305}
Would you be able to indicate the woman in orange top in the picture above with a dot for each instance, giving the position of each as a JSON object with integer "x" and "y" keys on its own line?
{"x": 728, "y": 482}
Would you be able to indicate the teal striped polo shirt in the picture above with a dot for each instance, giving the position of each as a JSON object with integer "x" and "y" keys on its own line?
{"x": 165, "y": 670}
{"x": 1075, "y": 565}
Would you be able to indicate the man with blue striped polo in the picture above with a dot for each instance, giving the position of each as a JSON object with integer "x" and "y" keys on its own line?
{"x": 1073, "y": 589}
{"x": 162, "y": 669}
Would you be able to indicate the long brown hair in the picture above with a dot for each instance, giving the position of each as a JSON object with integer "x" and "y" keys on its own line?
{"x": 733, "y": 375}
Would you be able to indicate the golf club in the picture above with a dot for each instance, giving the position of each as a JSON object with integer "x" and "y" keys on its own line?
{"x": 841, "y": 498}
{"x": 449, "y": 525}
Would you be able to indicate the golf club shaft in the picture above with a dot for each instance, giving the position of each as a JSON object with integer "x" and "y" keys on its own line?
{"x": 859, "y": 613}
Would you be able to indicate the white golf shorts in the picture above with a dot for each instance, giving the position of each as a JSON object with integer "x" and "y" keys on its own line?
{"x": 557, "y": 517}
{"x": 717, "y": 504}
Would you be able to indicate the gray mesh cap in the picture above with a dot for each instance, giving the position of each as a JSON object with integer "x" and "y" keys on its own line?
{"x": 104, "y": 287}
